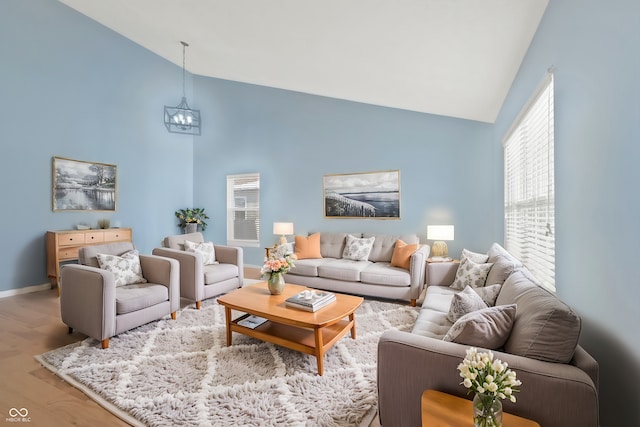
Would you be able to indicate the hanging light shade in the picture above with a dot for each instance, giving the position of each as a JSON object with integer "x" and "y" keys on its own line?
{"x": 182, "y": 118}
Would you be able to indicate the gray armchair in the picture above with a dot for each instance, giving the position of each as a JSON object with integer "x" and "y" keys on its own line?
{"x": 197, "y": 280}
{"x": 91, "y": 303}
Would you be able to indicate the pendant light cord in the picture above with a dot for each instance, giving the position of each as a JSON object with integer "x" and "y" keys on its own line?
{"x": 184, "y": 45}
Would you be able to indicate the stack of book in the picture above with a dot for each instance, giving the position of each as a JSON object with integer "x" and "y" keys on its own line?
{"x": 310, "y": 300}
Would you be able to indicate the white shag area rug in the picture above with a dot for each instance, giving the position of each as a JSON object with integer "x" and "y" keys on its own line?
{"x": 181, "y": 373}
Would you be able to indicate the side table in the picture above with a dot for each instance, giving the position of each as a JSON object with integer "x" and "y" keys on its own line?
{"x": 444, "y": 410}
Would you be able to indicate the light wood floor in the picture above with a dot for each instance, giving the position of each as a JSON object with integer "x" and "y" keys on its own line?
{"x": 30, "y": 325}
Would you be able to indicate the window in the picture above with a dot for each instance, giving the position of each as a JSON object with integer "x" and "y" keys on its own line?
{"x": 243, "y": 210}
{"x": 529, "y": 208}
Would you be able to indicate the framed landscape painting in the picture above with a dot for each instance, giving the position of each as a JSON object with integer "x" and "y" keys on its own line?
{"x": 374, "y": 195}
{"x": 83, "y": 186}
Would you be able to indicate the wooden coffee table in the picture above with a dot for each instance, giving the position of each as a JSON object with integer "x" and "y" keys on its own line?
{"x": 444, "y": 410}
{"x": 299, "y": 330}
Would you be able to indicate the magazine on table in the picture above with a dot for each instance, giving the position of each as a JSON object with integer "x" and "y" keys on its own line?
{"x": 310, "y": 300}
{"x": 252, "y": 321}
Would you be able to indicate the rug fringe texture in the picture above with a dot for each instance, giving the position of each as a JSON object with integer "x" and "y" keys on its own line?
{"x": 181, "y": 373}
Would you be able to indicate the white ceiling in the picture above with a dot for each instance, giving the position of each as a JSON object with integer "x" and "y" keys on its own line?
{"x": 449, "y": 57}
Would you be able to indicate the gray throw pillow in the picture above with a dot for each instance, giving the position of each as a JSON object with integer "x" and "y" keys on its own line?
{"x": 464, "y": 302}
{"x": 357, "y": 249}
{"x": 487, "y": 328}
{"x": 489, "y": 294}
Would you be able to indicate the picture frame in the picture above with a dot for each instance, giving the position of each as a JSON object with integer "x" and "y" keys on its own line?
{"x": 364, "y": 195}
{"x": 80, "y": 185}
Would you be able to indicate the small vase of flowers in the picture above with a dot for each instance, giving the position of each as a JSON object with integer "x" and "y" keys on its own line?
{"x": 490, "y": 380}
{"x": 273, "y": 270}
{"x": 192, "y": 218}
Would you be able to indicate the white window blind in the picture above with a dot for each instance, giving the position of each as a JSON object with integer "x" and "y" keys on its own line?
{"x": 529, "y": 207}
{"x": 243, "y": 210}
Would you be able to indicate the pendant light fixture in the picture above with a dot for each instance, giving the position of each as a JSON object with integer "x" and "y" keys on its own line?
{"x": 182, "y": 119}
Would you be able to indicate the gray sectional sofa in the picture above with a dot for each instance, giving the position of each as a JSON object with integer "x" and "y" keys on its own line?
{"x": 559, "y": 378}
{"x": 374, "y": 277}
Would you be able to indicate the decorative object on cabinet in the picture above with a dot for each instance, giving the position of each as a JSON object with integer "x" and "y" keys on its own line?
{"x": 64, "y": 245}
{"x": 83, "y": 186}
{"x": 374, "y": 195}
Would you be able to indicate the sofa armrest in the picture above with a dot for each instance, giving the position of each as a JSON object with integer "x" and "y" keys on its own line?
{"x": 417, "y": 268}
{"x": 164, "y": 271}
{"x": 231, "y": 255}
{"x": 441, "y": 273}
{"x": 552, "y": 394}
{"x": 191, "y": 271}
{"x": 88, "y": 300}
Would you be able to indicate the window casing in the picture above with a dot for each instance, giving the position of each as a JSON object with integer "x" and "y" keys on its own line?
{"x": 529, "y": 195}
{"x": 243, "y": 210}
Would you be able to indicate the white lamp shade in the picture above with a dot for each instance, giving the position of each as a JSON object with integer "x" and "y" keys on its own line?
{"x": 283, "y": 228}
{"x": 440, "y": 232}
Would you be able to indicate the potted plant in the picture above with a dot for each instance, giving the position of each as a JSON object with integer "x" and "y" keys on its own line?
{"x": 190, "y": 219}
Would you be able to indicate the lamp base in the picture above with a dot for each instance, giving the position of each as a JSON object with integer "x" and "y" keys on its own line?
{"x": 439, "y": 248}
{"x": 283, "y": 240}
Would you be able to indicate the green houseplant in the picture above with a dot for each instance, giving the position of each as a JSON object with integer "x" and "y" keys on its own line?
{"x": 195, "y": 216}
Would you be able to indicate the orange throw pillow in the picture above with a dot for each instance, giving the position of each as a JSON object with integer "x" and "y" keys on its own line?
{"x": 402, "y": 254}
{"x": 308, "y": 247}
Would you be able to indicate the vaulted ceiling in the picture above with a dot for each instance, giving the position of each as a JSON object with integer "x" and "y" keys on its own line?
{"x": 454, "y": 58}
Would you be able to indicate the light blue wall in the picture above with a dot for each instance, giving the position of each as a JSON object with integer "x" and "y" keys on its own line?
{"x": 595, "y": 49}
{"x": 449, "y": 168}
{"x": 70, "y": 87}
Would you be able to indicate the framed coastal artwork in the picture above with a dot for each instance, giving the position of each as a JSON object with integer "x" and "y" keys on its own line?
{"x": 374, "y": 195}
{"x": 83, "y": 186}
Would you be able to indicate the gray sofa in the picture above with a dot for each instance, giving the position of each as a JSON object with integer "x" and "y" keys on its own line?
{"x": 559, "y": 378}
{"x": 375, "y": 277}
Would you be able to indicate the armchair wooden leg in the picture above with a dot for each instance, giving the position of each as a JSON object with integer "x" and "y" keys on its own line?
{"x": 198, "y": 305}
{"x": 70, "y": 330}
{"x": 105, "y": 343}
{"x": 173, "y": 315}
{"x": 413, "y": 302}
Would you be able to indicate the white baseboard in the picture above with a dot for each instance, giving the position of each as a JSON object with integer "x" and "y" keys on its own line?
{"x": 25, "y": 290}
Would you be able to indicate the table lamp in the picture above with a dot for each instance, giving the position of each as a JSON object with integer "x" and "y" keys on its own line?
{"x": 439, "y": 233}
{"x": 283, "y": 228}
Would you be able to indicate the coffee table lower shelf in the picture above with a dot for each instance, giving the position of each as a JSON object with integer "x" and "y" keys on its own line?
{"x": 314, "y": 341}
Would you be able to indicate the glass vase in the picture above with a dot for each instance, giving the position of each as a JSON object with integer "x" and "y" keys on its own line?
{"x": 276, "y": 283}
{"x": 487, "y": 411}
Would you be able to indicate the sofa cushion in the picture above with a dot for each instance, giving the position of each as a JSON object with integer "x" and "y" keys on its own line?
{"x": 177, "y": 241}
{"x": 432, "y": 321}
{"x": 205, "y": 249}
{"x": 308, "y": 247}
{"x": 545, "y": 328}
{"x": 308, "y": 267}
{"x": 332, "y": 244}
{"x": 216, "y": 273}
{"x": 126, "y": 268}
{"x": 382, "y": 273}
{"x": 342, "y": 269}
{"x": 503, "y": 264}
{"x": 464, "y": 302}
{"x": 357, "y": 248}
{"x": 384, "y": 245}
{"x": 137, "y": 296}
{"x": 402, "y": 254}
{"x": 487, "y": 328}
{"x": 471, "y": 274}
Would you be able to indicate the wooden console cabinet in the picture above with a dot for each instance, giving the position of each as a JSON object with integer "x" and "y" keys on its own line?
{"x": 64, "y": 245}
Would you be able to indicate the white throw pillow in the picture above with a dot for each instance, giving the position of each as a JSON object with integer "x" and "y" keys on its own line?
{"x": 474, "y": 256}
{"x": 489, "y": 293}
{"x": 471, "y": 274}
{"x": 126, "y": 268}
{"x": 205, "y": 249}
{"x": 464, "y": 302}
{"x": 358, "y": 249}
